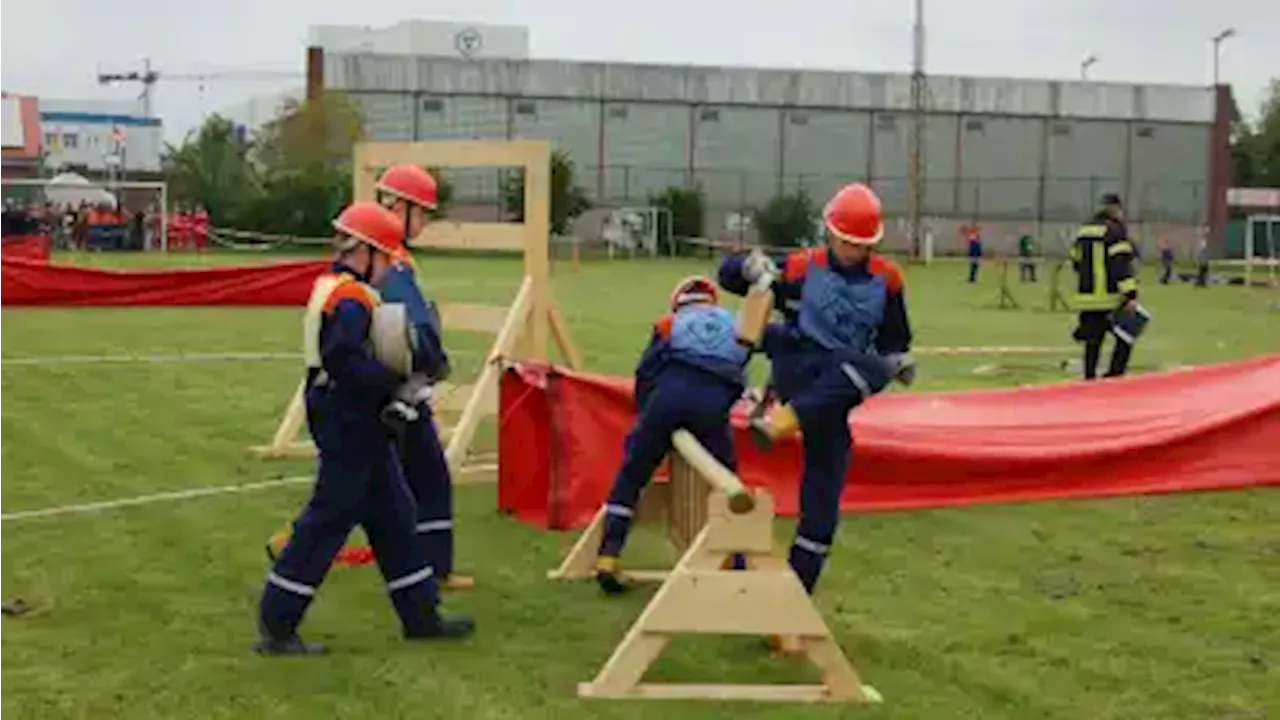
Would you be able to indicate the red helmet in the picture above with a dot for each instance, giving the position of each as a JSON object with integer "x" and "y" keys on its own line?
{"x": 694, "y": 289}
{"x": 410, "y": 183}
{"x": 854, "y": 215}
{"x": 372, "y": 224}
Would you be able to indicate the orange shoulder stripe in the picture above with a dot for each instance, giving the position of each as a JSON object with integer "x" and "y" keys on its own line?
{"x": 663, "y": 326}
{"x": 349, "y": 289}
{"x": 889, "y": 270}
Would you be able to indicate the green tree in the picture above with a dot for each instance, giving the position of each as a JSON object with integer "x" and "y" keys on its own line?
{"x": 304, "y": 159}
{"x": 688, "y": 211}
{"x": 787, "y": 219}
{"x": 1255, "y": 147}
{"x": 568, "y": 201}
{"x": 211, "y": 167}
{"x": 1266, "y": 143}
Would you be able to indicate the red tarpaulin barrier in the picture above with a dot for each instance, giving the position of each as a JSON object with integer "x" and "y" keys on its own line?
{"x": 26, "y": 247}
{"x": 1213, "y": 427}
{"x": 29, "y": 283}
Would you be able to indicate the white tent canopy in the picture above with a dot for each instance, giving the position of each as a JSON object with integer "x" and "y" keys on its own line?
{"x": 73, "y": 189}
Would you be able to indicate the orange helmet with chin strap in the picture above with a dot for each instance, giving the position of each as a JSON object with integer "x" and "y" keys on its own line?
{"x": 410, "y": 183}
{"x": 694, "y": 289}
{"x": 369, "y": 223}
{"x": 854, "y": 215}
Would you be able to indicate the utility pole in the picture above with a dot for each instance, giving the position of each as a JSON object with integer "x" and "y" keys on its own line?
{"x": 1217, "y": 50}
{"x": 919, "y": 93}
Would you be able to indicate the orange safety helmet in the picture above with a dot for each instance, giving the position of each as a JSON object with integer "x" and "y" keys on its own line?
{"x": 694, "y": 289}
{"x": 370, "y": 223}
{"x": 411, "y": 183}
{"x": 854, "y": 215}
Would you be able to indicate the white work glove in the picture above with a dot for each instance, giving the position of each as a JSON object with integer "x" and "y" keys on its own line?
{"x": 902, "y": 367}
{"x": 416, "y": 391}
{"x": 409, "y": 401}
{"x": 758, "y": 267}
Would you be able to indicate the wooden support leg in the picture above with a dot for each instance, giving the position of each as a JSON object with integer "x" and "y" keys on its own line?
{"x": 700, "y": 598}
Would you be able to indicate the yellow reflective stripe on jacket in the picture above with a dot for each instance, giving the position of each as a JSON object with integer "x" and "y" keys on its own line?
{"x": 1124, "y": 247}
{"x": 1092, "y": 231}
{"x": 1095, "y": 302}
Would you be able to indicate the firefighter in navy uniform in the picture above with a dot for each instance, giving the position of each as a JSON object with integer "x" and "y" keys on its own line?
{"x": 350, "y": 398}
{"x": 1103, "y": 260}
{"x": 689, "y": 377}
{"x": 409, "y": 191}
{"x": 845, "y": 336}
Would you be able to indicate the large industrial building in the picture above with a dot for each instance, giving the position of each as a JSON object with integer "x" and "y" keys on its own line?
{"x": 1007, "y": 153}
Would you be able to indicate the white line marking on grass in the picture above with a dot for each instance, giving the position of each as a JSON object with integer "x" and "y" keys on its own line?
{"x": 166, "y": 358}
{"x": 189, "y": 494}
{"x": 154, "y": 498}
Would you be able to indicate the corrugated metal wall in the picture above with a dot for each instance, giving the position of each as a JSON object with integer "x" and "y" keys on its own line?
{"x": 994, "y": 148}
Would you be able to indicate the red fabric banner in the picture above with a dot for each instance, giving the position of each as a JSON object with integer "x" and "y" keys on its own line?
{"x": 27, "y": 247}
{"x": 1214, "y": 427}
{"x": 24, "y": 282}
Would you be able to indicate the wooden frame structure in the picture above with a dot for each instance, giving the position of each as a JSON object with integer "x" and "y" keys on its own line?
{"x": 711, "y": 517}
{"x": 524, "y": 329}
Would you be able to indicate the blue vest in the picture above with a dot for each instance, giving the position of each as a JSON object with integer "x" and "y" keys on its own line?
{"x": 841, "y": 313}
{"x": 705, "y": 336}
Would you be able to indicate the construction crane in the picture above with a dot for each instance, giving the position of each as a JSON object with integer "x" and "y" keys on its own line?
{"x": 148, "y": 77}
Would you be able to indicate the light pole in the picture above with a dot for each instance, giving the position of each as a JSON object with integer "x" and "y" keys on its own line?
{"x": 1217, "y": 50}
{"x": 1085, "y": 64}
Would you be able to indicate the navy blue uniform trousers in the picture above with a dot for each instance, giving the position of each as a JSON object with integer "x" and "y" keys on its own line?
{"x": 358, "y": 482}
{"x": 685, "y": 398}
{"x": 822, "y": 387}
{"x": 427, "y": 472}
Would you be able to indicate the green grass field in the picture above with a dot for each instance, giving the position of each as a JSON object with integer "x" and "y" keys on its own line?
{"x": 1153, "y": 607}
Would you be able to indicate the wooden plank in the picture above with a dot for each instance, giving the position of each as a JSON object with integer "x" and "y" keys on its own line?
{"x": 689, "y": 691}
{"x": 479, "y": 236}
{"x": 757, "y": 602}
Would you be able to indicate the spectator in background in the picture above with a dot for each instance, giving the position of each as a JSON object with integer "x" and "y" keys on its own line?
{"x": 1027, "y": 253}
{"x": 137, "y": 229}
{"x": 1202, "y": 262}
{"x": 1166, "y": 261}
{"x": 974, "y": 240}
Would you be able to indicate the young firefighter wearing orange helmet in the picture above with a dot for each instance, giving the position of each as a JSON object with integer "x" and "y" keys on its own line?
{"x": 690, "y": 375}
{"x": 409, "y": 192}
{"x": 358, "y": 482}
{"x": 845, "y": 337}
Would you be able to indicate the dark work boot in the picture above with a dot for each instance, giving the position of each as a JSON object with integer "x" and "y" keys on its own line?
{"x": 451, "y": 627}
{"x": 611, "y": 583}
{"x": 609, "y": 574}
{"x": 293, "y": 645}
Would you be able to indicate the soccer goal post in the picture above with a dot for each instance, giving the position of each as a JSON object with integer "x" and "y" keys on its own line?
{"x": 632, "y": 229}
{"x": 1261, "y": 235}
{"x": 70, "y": 190}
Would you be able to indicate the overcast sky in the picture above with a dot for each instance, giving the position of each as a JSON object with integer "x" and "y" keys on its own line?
{"x": 54, "y": 48}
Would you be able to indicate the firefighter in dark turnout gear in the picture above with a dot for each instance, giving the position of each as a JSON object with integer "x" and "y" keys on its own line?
{"x": 1103, "y": 260}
